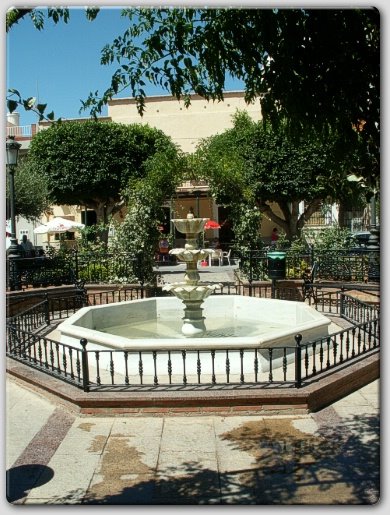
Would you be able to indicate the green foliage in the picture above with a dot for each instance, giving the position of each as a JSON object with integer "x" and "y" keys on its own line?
{"x": 298, "y": 255}
{"x": 92, "y": 163}
{"x": 263, "y": 164}
{"x": 91, "y": 240}
{"x": 138, "y": 234}
{"x": 316, "y": 68}
{"x": 268, "y": 162}
{"x": 330, "y": 238}
{"x": 31, "y": 192}
{"x": 334, "y": 82}
{"x": 94, "y": 273}
{"x": 247, "y": 224}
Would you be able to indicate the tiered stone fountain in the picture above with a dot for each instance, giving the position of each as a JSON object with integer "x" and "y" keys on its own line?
{"x": 234, "y": 322}
{"x": 192, "y": 292}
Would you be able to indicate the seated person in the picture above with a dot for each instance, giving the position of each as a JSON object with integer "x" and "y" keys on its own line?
{"x": 163, "y": 248}
{"x": 27, "y": 247}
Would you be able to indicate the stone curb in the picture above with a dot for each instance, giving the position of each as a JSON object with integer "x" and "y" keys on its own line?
{"x": 247, "y": 400}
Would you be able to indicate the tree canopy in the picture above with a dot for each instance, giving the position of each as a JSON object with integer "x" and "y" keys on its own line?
{"x": 316, "y": 68}
{"x": 91, "y": 163}
{"x": 265, "y": 166}
{"x": 31, "y": 192}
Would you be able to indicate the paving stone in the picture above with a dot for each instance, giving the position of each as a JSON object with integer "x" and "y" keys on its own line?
{"x": 143, "y": 426}
{"x": 86, "y": 436}
{"x": 186, "y": 463}
{"x": 128, "y": 489}
{"x": 187, "y": 434}
{"x": 72, "y": 475}
{"x": 201, "y": 487}
{"x": 326, "y": 458}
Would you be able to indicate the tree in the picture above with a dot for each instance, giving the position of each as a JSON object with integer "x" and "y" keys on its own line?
{"x": 37, "y": 16}
{"x": 265, "y": 166}
{"x": 31, "y": 192}
{"x": 138, "y": 235}
{"x": 316, "y": 68}
{"x": 91, "y": 163}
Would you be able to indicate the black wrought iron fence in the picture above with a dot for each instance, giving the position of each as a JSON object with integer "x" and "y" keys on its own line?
{"x": 123, "y": 268}
{"x": 31, "y": 319}
{"x": 281, "y": 366}
{"x": 107, "y": 267}
{"x": 342, "y": 266}
{"x": 70, "y": 267}
{"x": 356, "y": 311}
{"x": 47, "y": 355}
{"x": 46, "y": 310}
{"x": 338, "y": 265}
{"x": 190, "y": 367}
{"x": 40, "y": 271}
{"x": 324, "y": 354}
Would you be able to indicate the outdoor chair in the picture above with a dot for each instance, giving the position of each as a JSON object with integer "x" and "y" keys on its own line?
{"x": 226, "y": 255}
{"x": 216, "y": 255}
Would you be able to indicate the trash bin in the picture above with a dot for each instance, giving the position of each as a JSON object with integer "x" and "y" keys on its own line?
{"x": 276, "y": 265}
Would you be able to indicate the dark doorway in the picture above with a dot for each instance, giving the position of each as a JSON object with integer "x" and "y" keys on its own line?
{"x": 90, "y": 219}
{"x": 226, "y": 233}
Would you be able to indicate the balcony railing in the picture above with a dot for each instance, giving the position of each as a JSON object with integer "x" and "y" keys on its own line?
{"x": 19, "y": 130}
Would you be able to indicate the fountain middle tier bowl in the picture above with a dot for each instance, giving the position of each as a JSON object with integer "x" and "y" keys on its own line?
{"x": 232, "y": 321}
{"x": 191, "y": 292}
{"x": 191, "y": 255}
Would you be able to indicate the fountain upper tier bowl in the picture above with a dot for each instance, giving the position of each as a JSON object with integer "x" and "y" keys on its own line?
{"x": 190, "y": 224}
{"x": 233, "y": 321}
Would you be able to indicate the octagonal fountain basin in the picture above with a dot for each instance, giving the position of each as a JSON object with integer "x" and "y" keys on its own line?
{"x": 232, "y": 322}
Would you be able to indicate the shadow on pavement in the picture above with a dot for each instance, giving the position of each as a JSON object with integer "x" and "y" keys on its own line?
{"x": 23, "y": 478}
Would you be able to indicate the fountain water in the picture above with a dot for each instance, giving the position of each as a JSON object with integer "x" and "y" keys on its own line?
{"x": 191, "y": 292}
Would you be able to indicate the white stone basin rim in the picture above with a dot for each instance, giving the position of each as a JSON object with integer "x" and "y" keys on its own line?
{"x": 297, "y": 317}
{"x": 190, "y": 225}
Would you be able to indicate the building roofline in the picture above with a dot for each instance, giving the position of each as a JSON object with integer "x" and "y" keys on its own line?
{"x": 86, "y": 118}
{"x": 171, "y": 98}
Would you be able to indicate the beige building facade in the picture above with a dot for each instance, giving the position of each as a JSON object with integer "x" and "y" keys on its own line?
{"x": 185, "y": 125}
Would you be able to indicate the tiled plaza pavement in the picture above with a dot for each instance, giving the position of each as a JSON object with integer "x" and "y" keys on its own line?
{"x": 54, "y": 456}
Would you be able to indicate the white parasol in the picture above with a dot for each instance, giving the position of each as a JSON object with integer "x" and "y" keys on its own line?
{"x": 58, "y": 224}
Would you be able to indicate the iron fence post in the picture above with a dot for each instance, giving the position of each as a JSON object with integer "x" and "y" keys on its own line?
{"x": 85, "y": 368}
{"x": 47, "y": 310}
{"x": 342, "y": 304}
{"x": 250, "y": 273}
{"x": 76, "y": 264}
{"x": 298, "y": 361}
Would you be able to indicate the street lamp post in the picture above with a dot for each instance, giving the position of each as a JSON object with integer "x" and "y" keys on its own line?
{"x": 373, "y": 244}
{"x": 12, "y": 152}
{"x": 373, "y": 241}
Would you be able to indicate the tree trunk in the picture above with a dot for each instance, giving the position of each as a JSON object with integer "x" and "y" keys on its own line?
{"x": 103, "y": 212}
{"x": 293, "y": 222}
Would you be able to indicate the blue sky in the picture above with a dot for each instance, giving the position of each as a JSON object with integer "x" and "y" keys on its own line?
{"x": 60, "y": 64}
